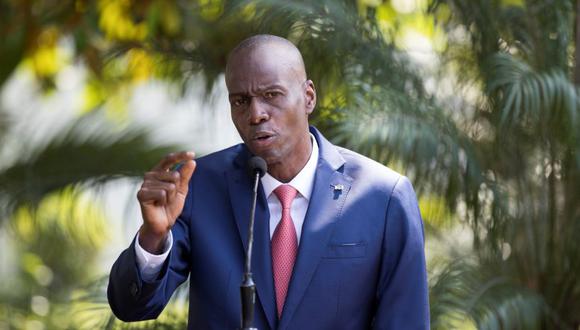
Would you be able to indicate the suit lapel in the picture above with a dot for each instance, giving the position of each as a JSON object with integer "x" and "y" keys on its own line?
{"x": 240, "y": 190}
{"x": 329, "y": 193}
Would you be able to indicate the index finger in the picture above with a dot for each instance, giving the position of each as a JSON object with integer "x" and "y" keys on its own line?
{"x": 172, "y": 159}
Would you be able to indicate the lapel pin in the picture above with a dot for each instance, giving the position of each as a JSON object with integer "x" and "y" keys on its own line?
{"x": 338, "y": 187}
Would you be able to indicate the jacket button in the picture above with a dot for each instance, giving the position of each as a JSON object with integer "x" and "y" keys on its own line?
{"x": 134, "y": 289}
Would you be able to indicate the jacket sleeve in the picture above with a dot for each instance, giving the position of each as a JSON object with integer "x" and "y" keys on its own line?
{"x": 133, "y": 299}
{"x": 403, "y": 296}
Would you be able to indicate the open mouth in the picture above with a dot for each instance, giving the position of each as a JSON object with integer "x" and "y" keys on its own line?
{"x": 263, "y": 137}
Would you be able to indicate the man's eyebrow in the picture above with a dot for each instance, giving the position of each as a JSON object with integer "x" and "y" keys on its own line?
{"x": 261, "y": 89}
{"x": 273, "y": 86}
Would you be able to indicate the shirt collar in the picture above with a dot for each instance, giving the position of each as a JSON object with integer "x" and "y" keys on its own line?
{"x": 303, "y": 181}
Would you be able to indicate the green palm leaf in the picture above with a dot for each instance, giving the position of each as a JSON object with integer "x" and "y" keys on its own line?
{"x": 465, "y": 290}
{"x": 88, "y": 152}
{"x": 531, "y": 99}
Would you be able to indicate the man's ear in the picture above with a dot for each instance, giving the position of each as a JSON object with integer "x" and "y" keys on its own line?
{"x": 310, "y": 96}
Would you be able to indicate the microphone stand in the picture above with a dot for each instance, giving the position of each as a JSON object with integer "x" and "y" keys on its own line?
{"x": 248, "y": 288}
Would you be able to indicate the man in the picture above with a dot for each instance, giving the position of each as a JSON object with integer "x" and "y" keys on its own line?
{"x": 338, "y": 237}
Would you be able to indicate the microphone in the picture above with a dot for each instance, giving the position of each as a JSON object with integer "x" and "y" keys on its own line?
{"x": 257, "y": 167}
{"x": 257, "y": 164}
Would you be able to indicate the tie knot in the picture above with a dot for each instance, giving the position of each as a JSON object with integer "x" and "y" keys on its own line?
{"x": 286, "y": 194}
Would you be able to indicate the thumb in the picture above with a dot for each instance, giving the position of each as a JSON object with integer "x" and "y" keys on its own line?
{"x": 186, "y": 171}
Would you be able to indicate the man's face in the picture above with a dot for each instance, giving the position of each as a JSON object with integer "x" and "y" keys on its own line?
{"x": 270, "y": 102}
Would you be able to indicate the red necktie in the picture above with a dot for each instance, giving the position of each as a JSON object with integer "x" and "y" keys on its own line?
{"x": 284, "y": 246}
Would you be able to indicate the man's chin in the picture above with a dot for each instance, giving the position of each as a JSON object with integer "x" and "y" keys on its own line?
{"x": 270, "y": 157}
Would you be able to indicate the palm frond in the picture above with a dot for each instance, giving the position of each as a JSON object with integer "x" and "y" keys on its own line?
{"x": 388, "y": 126}
{"x": 537, "y": 31}
{"x": 474, "y": 291}
{"x": 531, "y": 99}
{"x": 88, "y": 152}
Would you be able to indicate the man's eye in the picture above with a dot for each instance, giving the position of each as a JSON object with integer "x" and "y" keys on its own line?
{"x": 239, "y": 102}
{"x": 270, "y": 95}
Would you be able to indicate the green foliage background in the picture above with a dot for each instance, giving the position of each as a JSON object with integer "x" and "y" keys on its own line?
{"x": 488, "y": 133}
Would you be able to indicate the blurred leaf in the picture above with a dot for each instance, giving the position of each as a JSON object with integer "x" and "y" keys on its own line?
{"x": 491, "y": 301}
{"x": 91, "y": 309}
{"x": 435, "y": 211}
{"x": 522, "y": 214}
{"x": 533, "y": 99}
{"x": 87, "y": 152}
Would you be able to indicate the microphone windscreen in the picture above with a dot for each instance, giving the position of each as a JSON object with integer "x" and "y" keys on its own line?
{"x": 257, "y": 164}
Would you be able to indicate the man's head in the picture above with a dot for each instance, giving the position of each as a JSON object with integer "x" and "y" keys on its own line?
{"x": 271, "y": 100}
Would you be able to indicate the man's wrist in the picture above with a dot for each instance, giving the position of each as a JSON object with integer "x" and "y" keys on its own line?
{"x": 153, "y": 243}
{"x": 150, "y": 264}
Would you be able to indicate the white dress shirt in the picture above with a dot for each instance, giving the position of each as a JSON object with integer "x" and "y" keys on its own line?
{"x": 150, "y": 264}
{"x": 303, "y": 182}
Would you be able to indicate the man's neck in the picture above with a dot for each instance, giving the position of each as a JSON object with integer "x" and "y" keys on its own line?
{"x": 285, "y": 172}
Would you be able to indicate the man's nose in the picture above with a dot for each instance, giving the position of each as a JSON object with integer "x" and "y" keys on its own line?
{"x": 258, "y": 111}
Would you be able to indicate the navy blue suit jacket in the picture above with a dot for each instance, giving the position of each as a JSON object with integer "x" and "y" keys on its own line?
{"x": 360, "y": 264}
